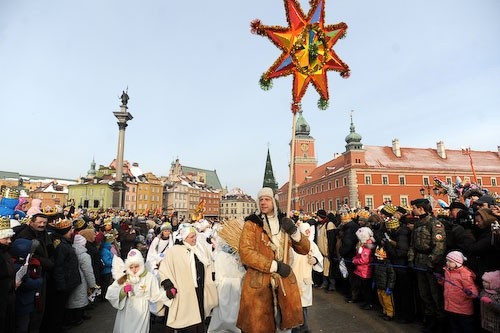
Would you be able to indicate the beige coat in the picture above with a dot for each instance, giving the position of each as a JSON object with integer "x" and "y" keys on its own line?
{"x": 183, "y": 307}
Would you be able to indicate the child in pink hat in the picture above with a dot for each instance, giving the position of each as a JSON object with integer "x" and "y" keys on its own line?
{"x": 459, "y": 293}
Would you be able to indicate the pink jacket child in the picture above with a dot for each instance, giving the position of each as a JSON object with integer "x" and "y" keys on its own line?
{"x": 363, "y": 258}
{"x": 459, "y": 287}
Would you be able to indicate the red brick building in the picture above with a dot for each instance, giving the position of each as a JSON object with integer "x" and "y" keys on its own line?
{"x": 370, "y": 175}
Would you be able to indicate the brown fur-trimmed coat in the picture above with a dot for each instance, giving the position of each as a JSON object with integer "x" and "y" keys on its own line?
{"x": 256, "y": 313}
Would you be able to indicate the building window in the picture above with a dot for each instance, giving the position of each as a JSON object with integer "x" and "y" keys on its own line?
{"x": 330, "y": 204}
{"x": 322, "y": 187}
{"x": 369, "y": 201}
{"x": 346, "y": 201}
{"x": 317, "y": 189}
{"x": 85, "y": 204}
{"x": 493, "y": 182}
{"x": 145, "y": 197}
{"x": 96, "y": 203}
{"x": 402, "y": 180}
{"x": 336, "y": 183}
{"x": 480, "y": 181}
{"x": 385, "y": 180}
{"x": 426, "y": 181}
{"x": 329, "y": 186}
{"x": 403, "y": 200}
{"x": 339, "y": 204}
{"x": 386, "y": 198}
{"x": 322, "y": 205}
{"x": 368, "y": 179}
{"x": 344, "y": 181}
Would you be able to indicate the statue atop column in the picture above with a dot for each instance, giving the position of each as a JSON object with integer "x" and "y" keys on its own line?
{"x": 124, "y": 98}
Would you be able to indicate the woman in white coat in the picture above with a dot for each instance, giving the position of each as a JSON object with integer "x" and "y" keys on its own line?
{"x": 186, "y": 275}
{"x": 302, "y": 266}
{"x": 132, "y": 293}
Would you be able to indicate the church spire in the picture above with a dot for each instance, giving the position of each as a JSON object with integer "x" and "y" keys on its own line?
{"x": 269, "y": 180}
{"x": 353, "y": 140}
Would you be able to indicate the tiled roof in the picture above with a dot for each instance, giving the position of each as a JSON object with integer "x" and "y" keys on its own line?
{"x": 212, "y": 178}
{"x": 428, "y": 159}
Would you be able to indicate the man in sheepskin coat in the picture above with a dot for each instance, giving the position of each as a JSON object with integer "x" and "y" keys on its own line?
{"x": 270, "y": 297}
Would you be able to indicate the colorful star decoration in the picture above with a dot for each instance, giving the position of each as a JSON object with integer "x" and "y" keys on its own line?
{"x": 307, "y": 50}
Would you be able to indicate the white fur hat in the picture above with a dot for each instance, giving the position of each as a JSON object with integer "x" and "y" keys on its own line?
{"x": 364, "y": 234}
{"x": 79, "y": 240}
{"x": 267, "y": 192}
{"x": 134, "y": 256}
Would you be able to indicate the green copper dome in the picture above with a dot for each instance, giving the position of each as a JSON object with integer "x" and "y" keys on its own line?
{"x": 302, "y": 127}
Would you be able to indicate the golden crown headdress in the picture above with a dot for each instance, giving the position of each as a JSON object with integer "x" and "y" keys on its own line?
{"x": 10, "y": 193}
{"x": 392, "y": 223}
{"x": 364, "y": 214}
{"x": 49, "y": 211}
{"x": 61, "y": 224}
{"x": 108, "y": 220}
{"x": 4, "y": 222}
{"x": 380, "y": 252}
{"x": 345, "y": 217}
{"x": 24, "y": 220}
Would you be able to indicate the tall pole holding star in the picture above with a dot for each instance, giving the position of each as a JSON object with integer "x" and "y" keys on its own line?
{"x": 307, "y": 54}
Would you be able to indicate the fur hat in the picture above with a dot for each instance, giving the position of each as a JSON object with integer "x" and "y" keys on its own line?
{"x": 491, "y": 282}
{"x": 364, "y": 234}
{"x": 88, "y": 234}
{"x": 5, "y": 229}
{"x": 457, "y": 257}
{"x": 134, "y": 256}
{"x": 79, "y": 240}
{"x": 267, "y": 192}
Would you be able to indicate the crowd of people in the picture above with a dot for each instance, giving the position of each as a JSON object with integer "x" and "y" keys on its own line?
{"x": 438, "y": 267}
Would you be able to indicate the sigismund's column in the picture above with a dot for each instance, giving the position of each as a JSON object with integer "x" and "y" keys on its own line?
{"x": 123, "y": 116}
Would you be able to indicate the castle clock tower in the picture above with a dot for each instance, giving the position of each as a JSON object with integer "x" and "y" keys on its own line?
{"x": 305, "y": 155}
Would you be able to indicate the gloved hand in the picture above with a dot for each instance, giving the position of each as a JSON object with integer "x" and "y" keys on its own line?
{"x": 388, "y": 291}
{"x": 127, "y": 288}
{"x": 283, "y": 269}
{"x": 468, "y": 292}
{"x": 169, "y": 287}
{"x": 288, "y": 225}
{"x": 486, "y": 299}
{"x": 311, "y": 260}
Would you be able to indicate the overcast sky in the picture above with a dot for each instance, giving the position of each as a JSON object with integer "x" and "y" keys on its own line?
{"x": 421, "y": 71}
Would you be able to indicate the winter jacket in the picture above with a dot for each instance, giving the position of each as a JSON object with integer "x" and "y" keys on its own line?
{"x": 256, "y": 313}
{"x": 66, "y": 274}
{"x": 363, "y": 259}
{"x": 398, "y": 254}
{"x": 45, "y": 251}
{"x": 348, "y": 240}
{"x": 384, "y": 274}
{"x": 455, "y": 283}
{"x": 106, "y": 257}
{"x": 31, "y": 282}
{"x": 7, "y": 294}
{"x": 78, "y": 298}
